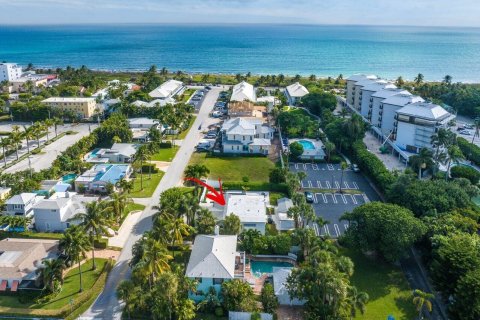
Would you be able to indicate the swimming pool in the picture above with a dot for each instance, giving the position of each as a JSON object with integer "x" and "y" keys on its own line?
{"x": 258, "y": 268}
{"x": 69, "y": 177}
{"x": 307, "y": 145}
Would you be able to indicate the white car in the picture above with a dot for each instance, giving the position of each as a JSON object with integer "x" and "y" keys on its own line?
{"x": 217, "y": 114}
{"x": 465, "y": 133}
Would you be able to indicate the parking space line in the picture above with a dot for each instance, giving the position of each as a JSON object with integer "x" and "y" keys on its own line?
{"x": 365, "y": 198}
{"x": 310, "y": 184}
{"x": 330, "y": 167}
{"x": 319, "y": 184}
{"x": 296, "y": 165}
{"x": 355, "y": 185}
{"x": 315, "y": 227}
{"x": 321, "y": 194}
{"x": 353, "y": 199}
{"x": 337, "y": 184}
{"x": 337, "y": 230}
{"x": 333, "y": 197}
{"x": 314, "y": 198}
{"x": 328, "y": 185}
{"x": 346, "y": 226}
{"x": 327, "y": 231}
{"x": 346, "y": 185}
{"x": 304, "y": 166}
{"x": 344, "y": 198}
{"x": 314, "y": 166}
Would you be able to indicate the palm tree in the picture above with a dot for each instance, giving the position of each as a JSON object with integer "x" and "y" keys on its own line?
{"x": 154, "y": 259}
{"x": 422, "y": 300}
{"x": 454, "y": 154}
{"x": 48, "y": 123}
{"x": 95, "y": 221}
{"x": 329, "y": 147}
{"x": 16, "y": 138}
{"x": 189, "y": 207}
{"x": 343, "y": 166}
{"x": 141, "y": 156}
{"x": 5, "y": 143}
{"x": 399, "y": 82}
{"x": 476, "y": 123}
{"x": 132, "y": 295}
{"x": 447, "y": 79}
{"x": 356, "y": 300}
{"x": 75, "y": 244}
{"x": 28, "y": 135}
{"x": 118, "y": 205}
{"x": 125, "y": 185}
{"x": 178, "y": 230}
{"x": 418, "y": 79}
{"x": 294, "y": 212}
{"x": 56, "y": 122}
{"x": 52, "y": 271}
{"x": 422, "y": 160}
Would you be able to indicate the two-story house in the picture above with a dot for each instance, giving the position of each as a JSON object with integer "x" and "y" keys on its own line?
{"x": 56, "y": 212}
{"x": 214, "y": 259}
{"x": 21, "y": 204}
{"x": 246, "y": 135}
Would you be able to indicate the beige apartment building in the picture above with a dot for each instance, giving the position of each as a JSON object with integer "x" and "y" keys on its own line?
{"x": 83, "y": 107}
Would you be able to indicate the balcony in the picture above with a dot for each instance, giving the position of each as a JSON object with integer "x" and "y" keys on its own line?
{"x": 371, "y": 99}
{"x": 380, "y": 112}
{"x": 240, "y": 266}
{"x": 395, "y": 124}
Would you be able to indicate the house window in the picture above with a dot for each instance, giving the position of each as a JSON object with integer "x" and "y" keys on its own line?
{"x": 217, "y": 281}
{"x": 238, "y": 147}
{"x": 249, "y": 225}
{"x": 243, "y": 138}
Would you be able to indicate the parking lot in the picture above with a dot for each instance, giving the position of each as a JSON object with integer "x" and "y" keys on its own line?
{"x": 324, "y": 181}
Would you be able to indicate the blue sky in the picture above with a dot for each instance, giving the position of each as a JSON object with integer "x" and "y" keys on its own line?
{"x": 369, "y": 12}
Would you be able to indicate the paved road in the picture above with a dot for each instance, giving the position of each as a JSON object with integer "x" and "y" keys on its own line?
{"x": 107, "y": 305}
{"x": 51, "y": 152}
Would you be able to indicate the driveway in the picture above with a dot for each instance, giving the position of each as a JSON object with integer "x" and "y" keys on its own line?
{"x": 107, "y": 306}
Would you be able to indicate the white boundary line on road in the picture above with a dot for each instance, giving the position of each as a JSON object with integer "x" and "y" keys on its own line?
{"x": 319, "y": 184}
{"x": 310, "y": 185}
{"x": 328, "y": 185}
{"x": 327, "y": 231}
{"x": 355, "y": 185}
{"x": 314, "y": 198}
{"x": 337, "y": 230}
{"x": 337, "y": 185}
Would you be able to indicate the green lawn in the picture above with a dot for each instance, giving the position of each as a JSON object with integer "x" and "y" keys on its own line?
{"x": 234, "y": 169}
{"x": 149, "y": 185}
{"x": 165, "y": 154}
{"x": 69, "y": 289}
{"x": 386, "y": 285}
{"x": 185, "y": 95}
{"x": 132, "y": 206}
{"x": 274, "y": 196}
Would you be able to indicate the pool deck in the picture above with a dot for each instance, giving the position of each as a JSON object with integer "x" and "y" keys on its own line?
{"x": 258, "y": 283}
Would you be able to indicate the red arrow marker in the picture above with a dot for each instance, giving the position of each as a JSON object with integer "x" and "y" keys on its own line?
{"x": 215, "y": 195}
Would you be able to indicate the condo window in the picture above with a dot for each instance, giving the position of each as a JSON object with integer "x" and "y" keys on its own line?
{"x": 217, "y": 280}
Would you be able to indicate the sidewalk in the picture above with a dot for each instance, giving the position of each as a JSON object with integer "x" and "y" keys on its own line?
{"x": 125, "y": 230}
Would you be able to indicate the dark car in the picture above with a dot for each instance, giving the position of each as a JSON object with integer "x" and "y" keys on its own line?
{"x": 355, "y": 168}
{"x": 309, "y": 197}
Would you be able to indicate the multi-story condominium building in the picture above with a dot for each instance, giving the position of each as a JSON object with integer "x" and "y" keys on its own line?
{"x": 10, "y": 71}
{"x": 387, "y": 110}
{"x": 375, "y": 113}
{"x": 82, "y": 107}
{"x": 381, "y": 104}
{"x": 416, "y": 123}
{"x": 366, "y": 94}
{"x": 352, "y": 95}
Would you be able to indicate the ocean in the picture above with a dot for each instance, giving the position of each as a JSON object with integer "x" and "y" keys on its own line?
{"x": 259, "y": 49}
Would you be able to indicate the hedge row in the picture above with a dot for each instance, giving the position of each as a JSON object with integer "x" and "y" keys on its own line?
{"x": 255, "y": 186}
{"x": 372, "y": 166}
{"x": 469, "y": 150}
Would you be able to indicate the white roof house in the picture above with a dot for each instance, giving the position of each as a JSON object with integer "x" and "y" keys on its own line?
{"x": 281, "y": 218}
{"x": 243, "y": 91}
{"x": 167, "y": 90}
{"x": 142, "y": 123}
{"x": 359, "y": 77}
{"x": 241, "y": 126}
{"x": 213, "y": 256}
{"x": 21, "y": 204}
{"x": 280, "y": 276}
{"x": 297, "y": 90}
{"x": 250, "y": 207}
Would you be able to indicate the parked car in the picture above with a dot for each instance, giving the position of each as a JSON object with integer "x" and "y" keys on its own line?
{"x": 217, "y": 114}
{"x": 355, "y": 168}
{"x": 468, "y": 126}
{"x": 208, "y": 88}
{"x": 308, "y": 197}
{"x": 211, "y": 136}
{"x": 465, "y": 133}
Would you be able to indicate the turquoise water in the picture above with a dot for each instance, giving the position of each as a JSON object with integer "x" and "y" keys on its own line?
{"x": 69, "y": 177}
{"x": 307, "y": 145}
{"x": 262, "y": 49}
{"x": 259, "y": 268}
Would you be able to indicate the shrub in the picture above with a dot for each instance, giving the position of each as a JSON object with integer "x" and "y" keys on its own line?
{"x": 372, "y": 166}
{"x": 149, "y": 168}
{"x": 471, "y": 151}
{"x": 465, "y": 172}
{"x": 277, "y": 175}
{"x": 100, "y": 243}
{"x": 296, "y": 150}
